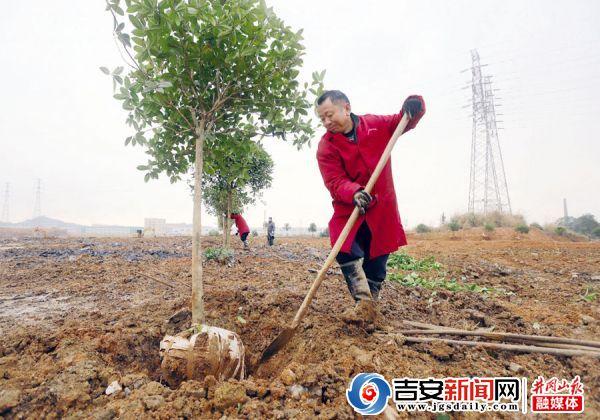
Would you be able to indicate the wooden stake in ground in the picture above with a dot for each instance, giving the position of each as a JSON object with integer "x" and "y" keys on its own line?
{"x": 158, "y": 280}
{"x": 511, "y": 347}
{"x": 539, "y": 343}
{"x": 499, "y": 336}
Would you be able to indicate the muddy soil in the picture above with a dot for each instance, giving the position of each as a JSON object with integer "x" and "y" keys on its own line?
{"x": 77, "y": 315}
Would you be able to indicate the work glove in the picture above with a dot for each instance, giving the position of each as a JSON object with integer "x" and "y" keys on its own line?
{"x": 362, "y": 199}
{"x": 412, "y": 106}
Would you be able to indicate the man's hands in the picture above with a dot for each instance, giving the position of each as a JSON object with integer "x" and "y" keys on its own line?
{"x": 412, "y": 106}
{"x": 362, "y": 199}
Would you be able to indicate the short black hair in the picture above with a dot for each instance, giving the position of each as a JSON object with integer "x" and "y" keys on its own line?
{"x": 333, "y": 96}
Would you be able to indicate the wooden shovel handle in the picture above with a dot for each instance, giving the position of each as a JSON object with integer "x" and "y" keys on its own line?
{"x": 350, "y": 223}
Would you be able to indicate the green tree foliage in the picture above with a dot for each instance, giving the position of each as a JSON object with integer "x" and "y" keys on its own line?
{"x": 522, "y": 228}
{"x": 560, "y": 231}
{"x": 422, "y": 228}
{"x": 585, "y": 224}
{"x": 454, "y": 226}
{"x": 239, "y": 171}
{"x": 199, "y": 69}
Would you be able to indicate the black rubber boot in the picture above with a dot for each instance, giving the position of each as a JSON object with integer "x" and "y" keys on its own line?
{"x": 364, "y": 313}
{"x": 375, "y": 287}
{"x": 356, "y": 280}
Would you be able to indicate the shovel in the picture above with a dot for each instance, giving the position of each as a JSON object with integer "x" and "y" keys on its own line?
{"x": 286, "y": 335}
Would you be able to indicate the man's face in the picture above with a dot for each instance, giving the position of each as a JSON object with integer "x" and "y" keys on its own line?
{"x": 335, "y": 116}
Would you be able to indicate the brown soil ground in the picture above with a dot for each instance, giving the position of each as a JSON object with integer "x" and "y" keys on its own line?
{"x": 78, "y": 314}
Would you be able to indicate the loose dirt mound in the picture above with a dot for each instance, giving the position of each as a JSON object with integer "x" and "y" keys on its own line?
{"x": 77, "y": 316}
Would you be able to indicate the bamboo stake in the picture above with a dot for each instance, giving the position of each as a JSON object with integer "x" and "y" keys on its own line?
{"x": 426, "y": 326}
{"x": 177, "y": 279}
{"x": 158, "y": 280}
{"x": 508, "y": 336}
{"x": 510, "y": 347}
{"x": 514, "y": 340}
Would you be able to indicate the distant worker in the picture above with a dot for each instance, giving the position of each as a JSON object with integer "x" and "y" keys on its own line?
{"x": 242, "y": 228}
{"x": 271, "y": 231}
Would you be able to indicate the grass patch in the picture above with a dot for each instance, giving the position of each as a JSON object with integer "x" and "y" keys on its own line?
{"x": 415, "y": 280}
{"x": 429, "y": 274}
{"x": 402, "y": 261}
{"x": 222, "y": 255}
{"x": 590, "y": 295}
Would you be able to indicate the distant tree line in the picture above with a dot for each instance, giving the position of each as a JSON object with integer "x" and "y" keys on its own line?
{"x": 586, "y": 225}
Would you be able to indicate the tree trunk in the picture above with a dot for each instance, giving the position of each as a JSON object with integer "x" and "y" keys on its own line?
{"x": 197, "y": 287}
{"x": 229, "y": 205}
{"x": 225, "y": 230}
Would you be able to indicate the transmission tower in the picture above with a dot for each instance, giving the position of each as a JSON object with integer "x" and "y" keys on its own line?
{"x": 37, "y": 208}
{"x": 488, "y": 190}
{"x": 5, "y": 215}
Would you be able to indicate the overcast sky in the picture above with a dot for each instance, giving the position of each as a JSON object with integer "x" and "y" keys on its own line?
{"x": 59, "y": 122}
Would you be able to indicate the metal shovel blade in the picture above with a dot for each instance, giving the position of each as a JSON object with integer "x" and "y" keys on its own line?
{"x": 280, "y": 341}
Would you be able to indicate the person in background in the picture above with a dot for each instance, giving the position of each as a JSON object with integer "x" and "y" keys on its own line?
{"x": 270, "y": 232}
{"x": 242, "y": 228}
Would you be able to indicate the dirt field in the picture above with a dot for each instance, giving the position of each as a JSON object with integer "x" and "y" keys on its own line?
{"x": 78, "y": 314}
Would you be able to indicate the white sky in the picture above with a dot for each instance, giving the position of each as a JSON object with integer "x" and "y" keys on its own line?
{"x": 59, "y": 122}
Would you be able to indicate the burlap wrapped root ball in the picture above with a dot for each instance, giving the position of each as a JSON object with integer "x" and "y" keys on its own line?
{"x": 210, "y": 351}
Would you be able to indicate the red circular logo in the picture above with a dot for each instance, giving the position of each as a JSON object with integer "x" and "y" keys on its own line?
{"x": 368, "y": 392}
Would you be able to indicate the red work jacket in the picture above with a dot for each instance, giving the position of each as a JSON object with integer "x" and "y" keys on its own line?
{"x": 240, "y": 223}
{"x": 346, "y": 167}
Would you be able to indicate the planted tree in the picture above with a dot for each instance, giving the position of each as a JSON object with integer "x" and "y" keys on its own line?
{"x": 236, "y": 172}
{"x": 312, "y": 228}
{"x": 197, "y": 68}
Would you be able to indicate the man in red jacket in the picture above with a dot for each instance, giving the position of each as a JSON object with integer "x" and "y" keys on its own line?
{"x": 242, "y": 228}
{"x": 347, "y": 155}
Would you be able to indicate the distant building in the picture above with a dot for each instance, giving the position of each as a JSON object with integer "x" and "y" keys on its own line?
{"x": 155, "y": 227}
